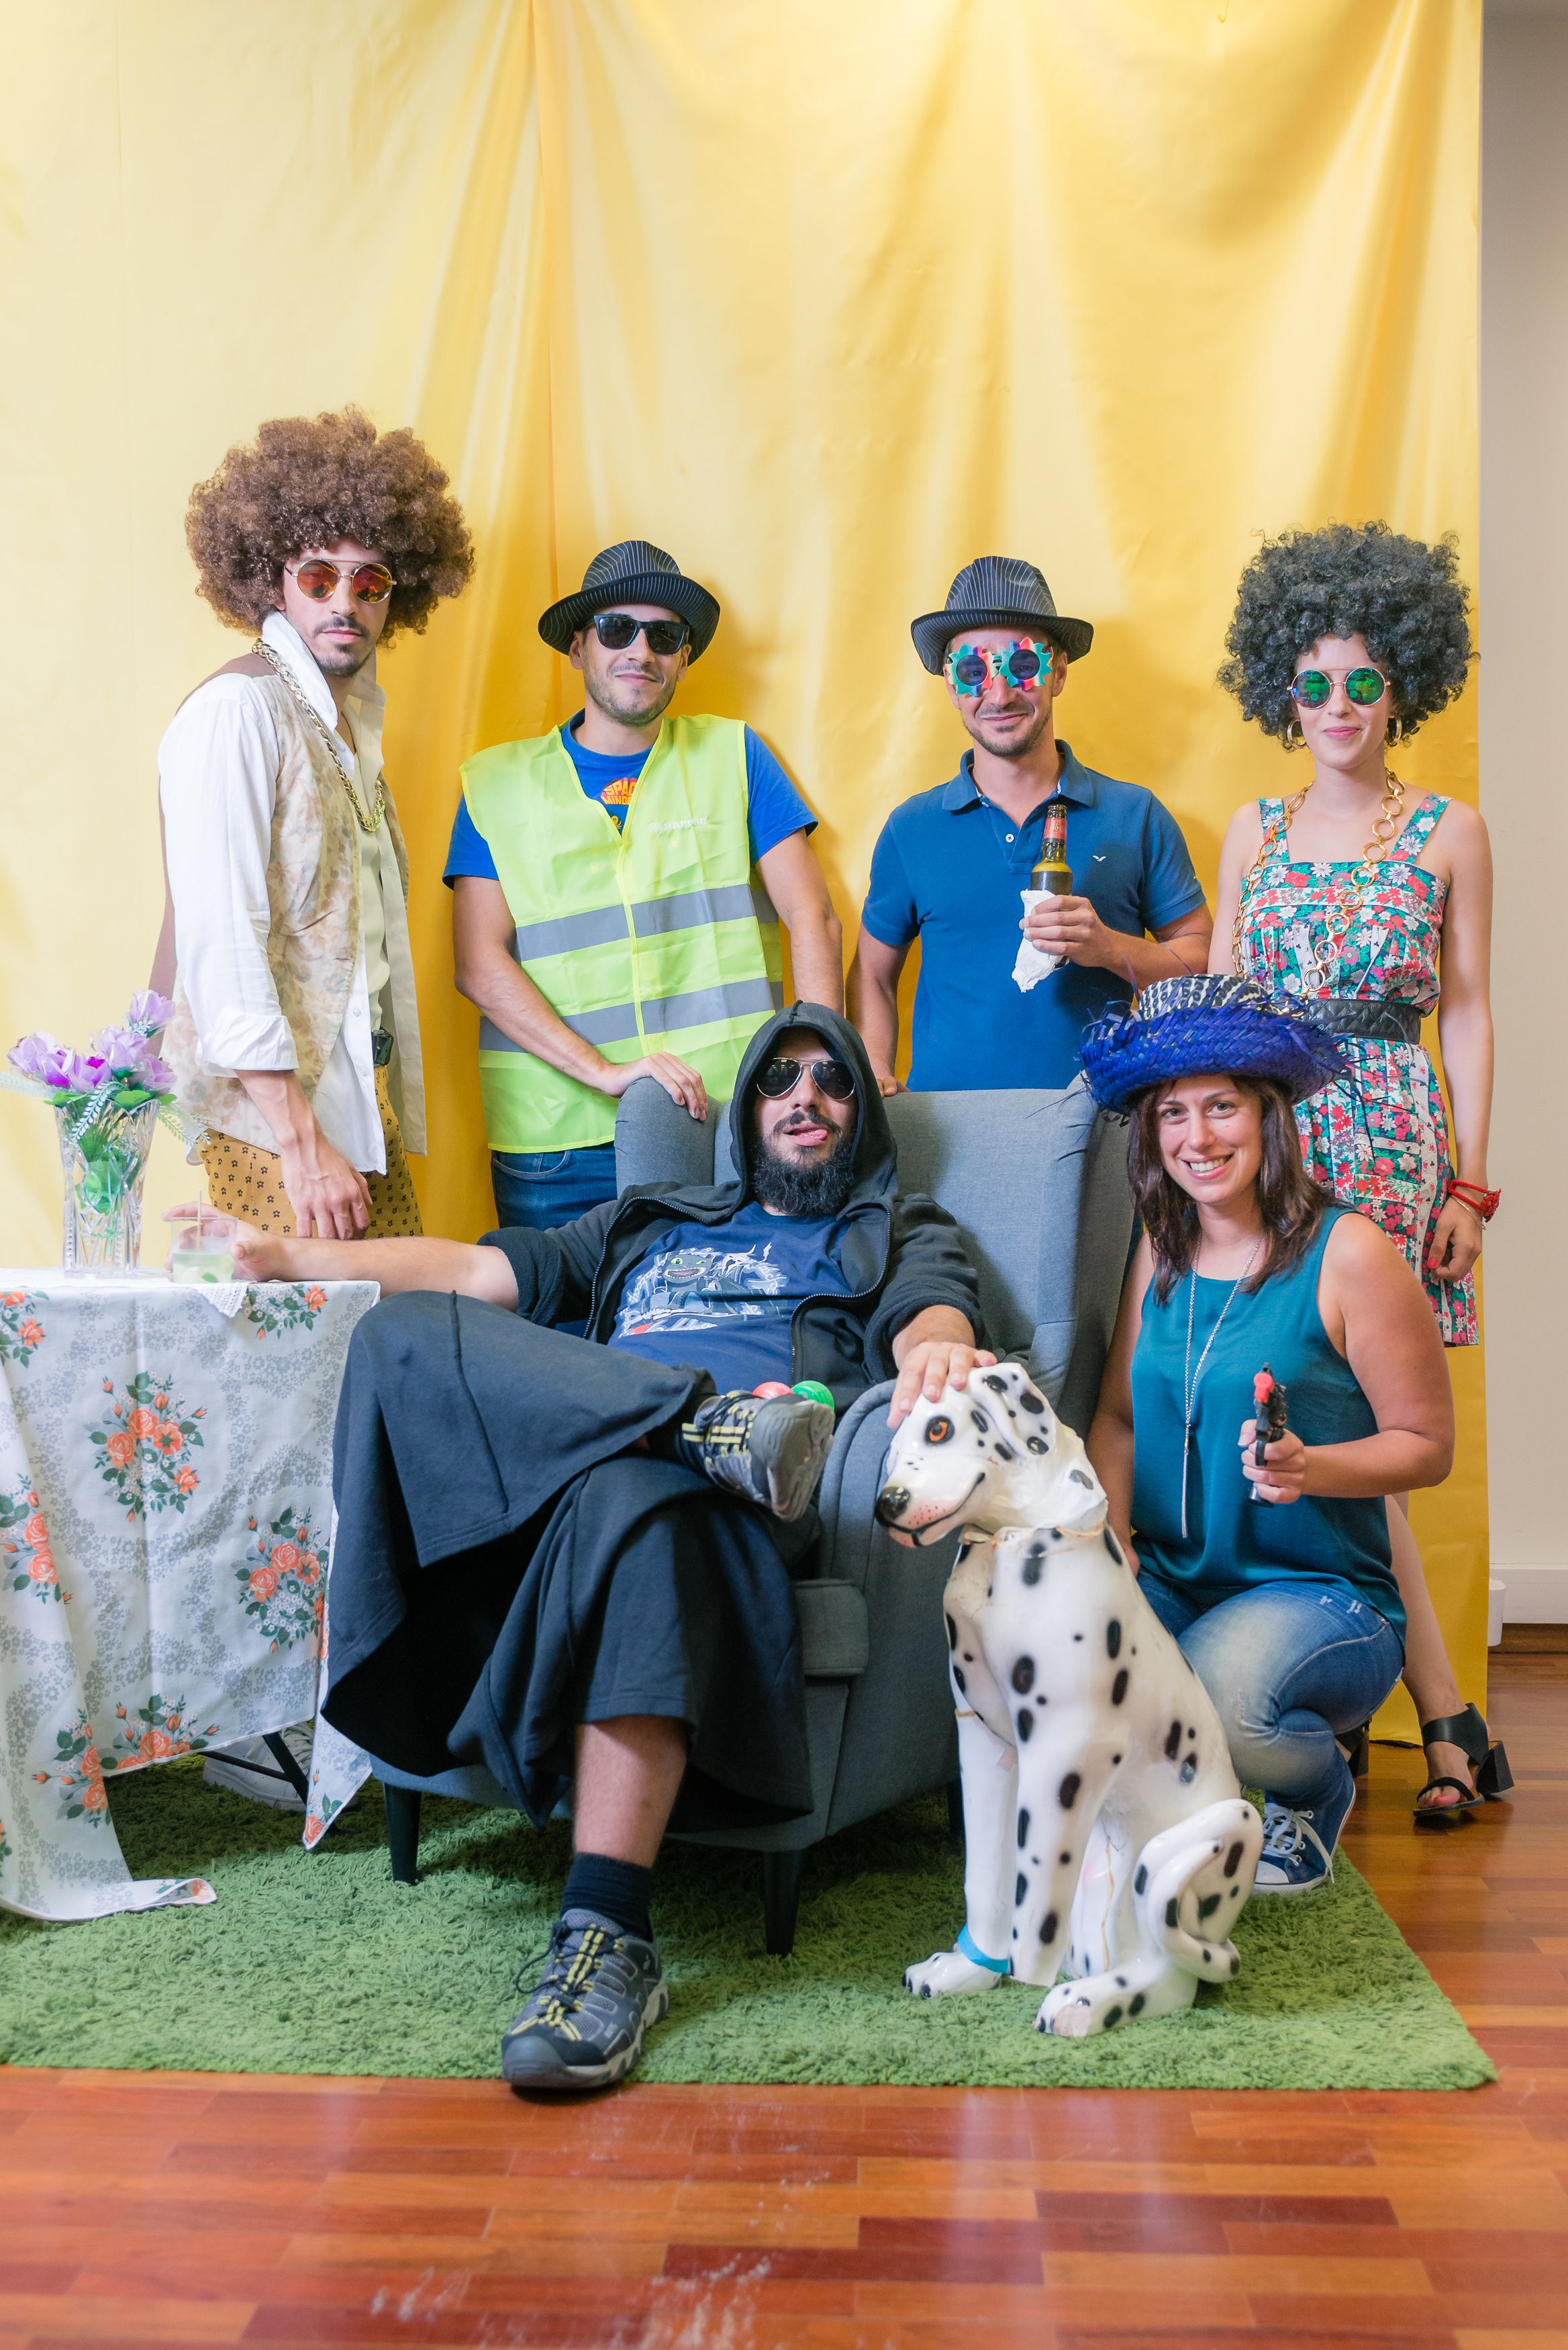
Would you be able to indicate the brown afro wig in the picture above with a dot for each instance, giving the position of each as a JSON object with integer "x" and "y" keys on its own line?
{"x": 310, "y": 481}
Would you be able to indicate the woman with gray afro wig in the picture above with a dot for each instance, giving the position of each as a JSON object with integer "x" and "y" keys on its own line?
{"x": 1371, "y": 914}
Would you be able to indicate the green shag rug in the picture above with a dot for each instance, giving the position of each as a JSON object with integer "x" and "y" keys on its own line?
{"x": 320, "y": 1964}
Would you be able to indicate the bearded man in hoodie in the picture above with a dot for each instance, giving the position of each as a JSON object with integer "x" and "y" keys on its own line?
{"x": 614, "y": 1516}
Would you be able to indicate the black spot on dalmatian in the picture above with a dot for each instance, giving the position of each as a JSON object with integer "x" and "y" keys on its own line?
{"x": 952, "y": 1631}
{"x": 1172, "y": 1742}
{"x": 1192, "y": 1733}
{"x": 1121, "y": 1982}
{"x": 939, "y": 1432}
{"x": 980, "y": 1421}
{"x": 1034, "y": 1560}
{"x": 1005, "y": 1451}
{"x": 997, "y": 1387}
{"x": 1020, "y": 1888}
{"x": 1066, "y": 1860}
{"x": 1022, "y": 1830}
{"x": 1171, "y": 1913}
{"x": 1113, "y": 2016}
{"x": 1048, "y": 1928}
{"x": 1026, "y": 1724}
{"x": 969, "y": 1656}
{"x": 1037, "y": 1444}
{"x": 1207, "y": 1906}
{"x": 1141, "y": 1879}
{"x": 1233, "y": 1858}
{"x": 1113, "y": 1638}
{"x": 1078, "y": 1478}
{"x": 1024, "y": 1675}
{"x": 1030, "y": 1402}
{"x": 1135, "y": 2005}
{"x": 1116, "y": 1758}
{"x": 1077, "y": 1636}
{"x": 1235, "y": 1963}
{"x": 1039, "y": 1697}
{"x": 958, "y": 1681}
{"x": 1208, "y": 1957}
{"x": 1235, "y": 1893}
{"x": 1114, "y": 1547}
{"x": 1188, "y": 1771}
{"x": 1119, "y": 1687}
{"x": 1067, "y": 1793}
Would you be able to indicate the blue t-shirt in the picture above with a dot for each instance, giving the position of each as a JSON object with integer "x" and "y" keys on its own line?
{"x": 948, "y": 868}
{"x": 721, "y": 1296}
{"x": 773, "y": 807}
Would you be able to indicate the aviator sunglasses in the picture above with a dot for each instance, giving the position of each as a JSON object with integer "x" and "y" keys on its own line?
{"x": 973, "y": 667}
{"x": 781, "y": 1076}
{"x": 616, "y": 630}
{"x": 1362, "y": 686}
{"x": 368, "y": 583}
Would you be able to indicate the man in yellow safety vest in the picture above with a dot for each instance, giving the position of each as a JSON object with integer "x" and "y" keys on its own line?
{"x": 618, "y": 887}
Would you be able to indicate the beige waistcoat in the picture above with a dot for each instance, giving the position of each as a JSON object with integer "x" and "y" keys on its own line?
{"x": 313, "y": 938}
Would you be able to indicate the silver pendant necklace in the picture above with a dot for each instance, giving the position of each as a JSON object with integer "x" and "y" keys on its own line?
{"x": 1189, "y": 1377}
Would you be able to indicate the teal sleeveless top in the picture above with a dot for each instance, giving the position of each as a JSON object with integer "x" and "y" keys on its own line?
{"x": 1233, "y": 1542}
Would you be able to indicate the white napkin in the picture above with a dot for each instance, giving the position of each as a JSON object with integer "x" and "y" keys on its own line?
{"x": 1031, "y": 966}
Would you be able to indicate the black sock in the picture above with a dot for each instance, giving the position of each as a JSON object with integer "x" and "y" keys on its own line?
{"x": 616, "y": 1890}
{"x": 671, "y": 1443}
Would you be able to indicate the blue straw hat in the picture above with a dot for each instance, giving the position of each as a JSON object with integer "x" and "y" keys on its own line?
{"x": 1212, "y": 1022}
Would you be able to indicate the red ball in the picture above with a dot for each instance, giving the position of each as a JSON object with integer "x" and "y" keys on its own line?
{"x": 773, "y": 1387}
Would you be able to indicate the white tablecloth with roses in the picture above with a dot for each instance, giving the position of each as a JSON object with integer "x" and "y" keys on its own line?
{"x": 165, "y": 1511}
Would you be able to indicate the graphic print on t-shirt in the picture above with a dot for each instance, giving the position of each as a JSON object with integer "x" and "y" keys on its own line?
{"x": 693, "y": 1288}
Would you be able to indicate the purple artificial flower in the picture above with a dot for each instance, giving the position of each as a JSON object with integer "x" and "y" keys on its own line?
{"x": 40, "y": 1058}
{"x": 148, "y": 1011}
{"x": 86, "y": 1071}
{"x": 126, "y": 1053}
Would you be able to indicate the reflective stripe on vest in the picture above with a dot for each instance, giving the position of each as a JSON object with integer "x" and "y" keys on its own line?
{"x": 657, "y": 938}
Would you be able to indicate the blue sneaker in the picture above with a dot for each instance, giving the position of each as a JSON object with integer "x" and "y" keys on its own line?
{"x": 583, "y": 2026}
{"x": 1298, "y": 1846}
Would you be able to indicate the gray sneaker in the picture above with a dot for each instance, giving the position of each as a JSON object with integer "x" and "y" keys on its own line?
{"x": 771, "y": 1449}
{"x": 582, "y": 2027}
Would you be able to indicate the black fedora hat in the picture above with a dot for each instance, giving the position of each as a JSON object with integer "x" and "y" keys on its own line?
{"x": 992, "y": 593}
{"x": 634, "y": 572}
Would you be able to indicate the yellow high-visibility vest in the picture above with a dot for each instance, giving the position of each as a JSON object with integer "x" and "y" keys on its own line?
{"x": 657, "y": 938}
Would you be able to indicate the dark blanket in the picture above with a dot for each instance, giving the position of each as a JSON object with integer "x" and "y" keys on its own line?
{"x": 506, "y": 1567}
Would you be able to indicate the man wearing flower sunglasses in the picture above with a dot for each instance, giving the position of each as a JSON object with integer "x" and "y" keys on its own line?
{"x": 617, "y": 888}
{"x": 950, "y": 864}
{"x": 599, "y": 1616}
{"x": 294, "y": 1035}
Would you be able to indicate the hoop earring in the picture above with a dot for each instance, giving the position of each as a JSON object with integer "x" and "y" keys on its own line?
{"x": 1292, "y": 737}
{"x": 1395, "y": 731}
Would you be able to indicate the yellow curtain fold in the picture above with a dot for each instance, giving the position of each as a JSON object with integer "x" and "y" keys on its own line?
{"x": 825, "y": 299}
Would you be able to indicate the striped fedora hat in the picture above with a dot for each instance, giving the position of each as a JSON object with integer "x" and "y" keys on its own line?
{"x": 633, "y": 572}
{"x": 995, "y": 592}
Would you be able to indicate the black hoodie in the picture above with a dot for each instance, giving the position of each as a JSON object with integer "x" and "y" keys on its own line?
{"x": 899, "y": 1254}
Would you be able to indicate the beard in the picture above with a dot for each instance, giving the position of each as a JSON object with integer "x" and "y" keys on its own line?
{"x": 819, "y": 1188}
{"x": 602, "y": 693}
{"x": 1018, "y": 746}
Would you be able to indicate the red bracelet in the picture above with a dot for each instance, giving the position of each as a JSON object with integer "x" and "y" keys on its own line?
{"x": 1474, "y": 1195}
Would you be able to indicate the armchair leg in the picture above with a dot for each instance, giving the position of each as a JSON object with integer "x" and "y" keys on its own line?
{"x": 955, "y": 1813}
{"x": 781, "y": 1900}
{"x": 402, "y": 1832}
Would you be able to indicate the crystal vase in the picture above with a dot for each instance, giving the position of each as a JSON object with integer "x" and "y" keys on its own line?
{"x": 105, "y": 1160}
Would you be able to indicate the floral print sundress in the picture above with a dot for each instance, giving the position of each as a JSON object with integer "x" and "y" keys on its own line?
{"x": 1381, "y": 1144}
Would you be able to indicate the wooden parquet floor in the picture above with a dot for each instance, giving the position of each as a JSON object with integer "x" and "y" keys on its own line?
{"x": 198, "y": 2210}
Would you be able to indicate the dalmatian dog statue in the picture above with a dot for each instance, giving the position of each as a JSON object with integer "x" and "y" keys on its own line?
{"x": 1107, "y": 1839}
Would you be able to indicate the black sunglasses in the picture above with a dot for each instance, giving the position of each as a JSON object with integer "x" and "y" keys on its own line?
{"x": 833, "y": 1078}
{"x": 616, "y": 630}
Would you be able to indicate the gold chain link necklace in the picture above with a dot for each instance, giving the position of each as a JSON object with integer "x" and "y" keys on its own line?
{"x": 1346, "y": 899}
{"x": 334, "y": 746}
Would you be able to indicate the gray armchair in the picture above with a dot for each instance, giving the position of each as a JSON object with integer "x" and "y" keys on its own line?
{"x": 1038, "y": 1184}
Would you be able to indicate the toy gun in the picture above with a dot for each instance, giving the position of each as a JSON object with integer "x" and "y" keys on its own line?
{"x": 1269, "y": 1412}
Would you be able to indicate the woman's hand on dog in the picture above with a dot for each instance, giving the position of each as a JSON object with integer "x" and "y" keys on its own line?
{"x": 1283, "y": 1477}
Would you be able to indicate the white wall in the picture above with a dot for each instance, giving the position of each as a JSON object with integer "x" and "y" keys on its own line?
{"x": 1524, "y": 636}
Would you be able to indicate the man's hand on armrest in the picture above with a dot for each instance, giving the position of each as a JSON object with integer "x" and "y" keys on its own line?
{"x": 470, "y": 1271}
{"x": 934, "y": 1350}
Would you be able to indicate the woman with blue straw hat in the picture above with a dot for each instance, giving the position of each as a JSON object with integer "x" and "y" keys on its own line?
{"x": 1288, "y": 1612}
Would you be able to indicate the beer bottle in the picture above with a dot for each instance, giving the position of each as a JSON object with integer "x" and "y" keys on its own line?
{"x": 1053, "y": 872}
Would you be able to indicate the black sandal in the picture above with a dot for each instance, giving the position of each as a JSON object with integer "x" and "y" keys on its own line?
{"x": 1493, "y": 1778}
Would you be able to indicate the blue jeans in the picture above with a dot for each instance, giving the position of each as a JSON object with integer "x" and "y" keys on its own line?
{"x": 543, "y": 1189}
{"x": 1287, "y": 1665}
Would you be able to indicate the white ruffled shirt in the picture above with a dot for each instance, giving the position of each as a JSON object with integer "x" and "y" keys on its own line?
{"x": 217, "y": 768}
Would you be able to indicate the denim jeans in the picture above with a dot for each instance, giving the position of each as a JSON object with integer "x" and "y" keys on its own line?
{"x": 543, "y": 1189}
{"x": 1287, "y": 1665}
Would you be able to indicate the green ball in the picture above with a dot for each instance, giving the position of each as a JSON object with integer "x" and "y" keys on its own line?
{"x": 814, "y": 1392}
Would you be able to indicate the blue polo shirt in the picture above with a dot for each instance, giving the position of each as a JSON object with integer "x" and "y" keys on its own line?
{"x": 946, "y": 870}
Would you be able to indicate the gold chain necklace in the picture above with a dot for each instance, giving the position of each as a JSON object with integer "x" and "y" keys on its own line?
{"x": 335, "y": 748}
{"x": 1346, "y": 899}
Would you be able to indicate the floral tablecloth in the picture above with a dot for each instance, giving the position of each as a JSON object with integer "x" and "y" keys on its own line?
{"x": 165, "y": 1513}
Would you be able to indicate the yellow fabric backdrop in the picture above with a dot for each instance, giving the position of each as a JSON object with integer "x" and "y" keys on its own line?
{"x": 828, "y": 299}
